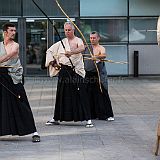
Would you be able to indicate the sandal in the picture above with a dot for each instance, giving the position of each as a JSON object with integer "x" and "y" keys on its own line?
{"x": 89, "y": 125}
{"x": 48, "y": 123}
{"x": 35, "y": 138}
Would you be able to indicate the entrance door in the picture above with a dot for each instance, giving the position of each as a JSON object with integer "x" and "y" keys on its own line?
{"x": 36, "y": 45}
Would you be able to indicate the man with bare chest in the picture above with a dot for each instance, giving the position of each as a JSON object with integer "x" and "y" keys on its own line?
{"x": 100, "y": 103}
{"x": 71, "y": 98}
{"x": 16, "y": 117}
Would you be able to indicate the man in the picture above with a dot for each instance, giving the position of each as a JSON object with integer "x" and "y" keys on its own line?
{"x": 71, "y": 99}
{"x": 16, "y": 117}
{"x": 99, "y": 100}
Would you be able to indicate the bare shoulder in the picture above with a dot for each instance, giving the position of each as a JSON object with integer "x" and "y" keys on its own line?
{"x": 15, "y": 49}
{"x": 16, "y": 44}
{"x": 101, "y": 47}
{"x": 78, "y": 39}
{"x": 103, "y": 50}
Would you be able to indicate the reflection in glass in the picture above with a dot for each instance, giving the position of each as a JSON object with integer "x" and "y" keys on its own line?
{"x": 59, "y": 25}
{"x": 144, "y": 7}
{"x": 36, "y": 34}
{"x": 142, "y": 30}
{"x": 111, "y": 30}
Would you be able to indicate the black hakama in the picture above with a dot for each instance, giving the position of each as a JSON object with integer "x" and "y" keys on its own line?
{"x": 16, "y": 117}
{"x": 72, "y": 103}
{"x": 100, "y": 102}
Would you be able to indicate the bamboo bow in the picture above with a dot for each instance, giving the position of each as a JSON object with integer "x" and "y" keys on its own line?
{"x": 7, "y": 66}
{"x": 105, "y": 60}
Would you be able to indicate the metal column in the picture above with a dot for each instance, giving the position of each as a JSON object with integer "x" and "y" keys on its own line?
{"x": 22, "y": 41}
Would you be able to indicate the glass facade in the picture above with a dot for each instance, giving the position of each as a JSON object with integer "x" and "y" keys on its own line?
{"x": 71, "y": 7}
{"x": 110, "y": 30}
{"x": 36, "y": 40}
{"x": 143, "y": 30}
{"x": 144, "y": 7}
{"x": 117, "y": 53}
{"x": 103, "y": 8}
{"x": 10, "y": 8}
{"x": 121, "y": 23}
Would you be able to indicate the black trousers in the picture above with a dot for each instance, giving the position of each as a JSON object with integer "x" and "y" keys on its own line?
{"x": 16, "y": 117}
{"x": 72, "y": 103}
{"x": 100, "y": 103}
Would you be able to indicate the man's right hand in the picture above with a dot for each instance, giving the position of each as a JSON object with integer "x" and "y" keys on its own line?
{"x": 94, "y": 58}
{"x": 55, "y": 65}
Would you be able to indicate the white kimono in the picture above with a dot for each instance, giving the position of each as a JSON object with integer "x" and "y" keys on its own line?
{"x": 56, "y": 51}
{"x": 16, "y": 70}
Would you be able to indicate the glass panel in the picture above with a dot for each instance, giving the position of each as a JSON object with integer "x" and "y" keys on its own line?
{"x": 10, "y": 8}
{"x": 117, "y": 53}
{"x": 59, "y": 25}
{"x": 111, "y": 30}
{"x": 36, "y": 45}
{"x": 103, "y": 8}
{"x": 71, "y": 7}
{"x": 143, "y": 30}
{"x": 144, "y": 7}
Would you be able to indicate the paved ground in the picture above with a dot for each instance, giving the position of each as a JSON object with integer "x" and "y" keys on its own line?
{"x": 132, "y": 136}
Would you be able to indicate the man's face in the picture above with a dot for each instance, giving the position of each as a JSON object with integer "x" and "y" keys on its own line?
{"x": 69, "y": 32}
{"x": 94, "y": 39}
{"x": 11, "y": 32}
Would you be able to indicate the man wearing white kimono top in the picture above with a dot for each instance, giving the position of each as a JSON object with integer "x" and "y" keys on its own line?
{"x": 72, "y": 103}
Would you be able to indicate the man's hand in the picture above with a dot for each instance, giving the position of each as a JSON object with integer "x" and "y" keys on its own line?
{"x": 94, "y": 58}
{"x": 68, "y": 53}
{"x": 55, "y": 65}
{"x": 100, "y": 56}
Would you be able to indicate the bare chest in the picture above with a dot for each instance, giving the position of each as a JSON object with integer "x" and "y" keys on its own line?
{"x": 97, "y": 51}
{"x": 73, "y": 44}
{"x": 8, "y": 48}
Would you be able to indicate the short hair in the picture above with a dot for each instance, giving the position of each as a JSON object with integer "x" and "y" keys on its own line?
{"x": 95, "y": 32}
{"x": 69, "y": 23}
{"x": 7, "y": 25}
